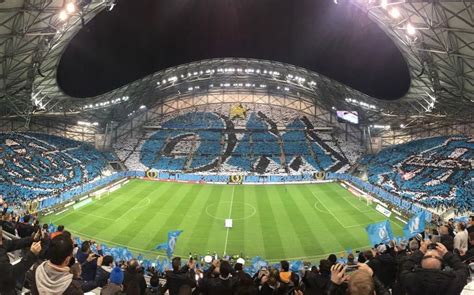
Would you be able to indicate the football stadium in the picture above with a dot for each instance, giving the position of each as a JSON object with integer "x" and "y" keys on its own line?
{"x": 237, "y": 147}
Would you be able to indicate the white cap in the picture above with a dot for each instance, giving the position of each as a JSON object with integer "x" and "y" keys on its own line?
{"x": 208, "y": 259}
{"x": 241, "y": 260}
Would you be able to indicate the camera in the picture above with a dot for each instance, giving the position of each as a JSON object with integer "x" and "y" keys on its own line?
{"x": 432, "y": 246}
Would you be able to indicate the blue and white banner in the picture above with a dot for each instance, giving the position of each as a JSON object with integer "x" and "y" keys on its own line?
{"x": 171, "y": 244}
{"x": 415, "y": 225}
{"x": 379, "y": 233}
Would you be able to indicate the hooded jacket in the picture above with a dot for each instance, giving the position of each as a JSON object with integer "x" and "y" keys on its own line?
{"x": 176, "y": 279}
{"x": 419, "y": 281}
{"x": 53, "y": 280}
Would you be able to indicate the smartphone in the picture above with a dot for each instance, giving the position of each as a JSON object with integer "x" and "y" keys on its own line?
{"x": 351, "y": 268}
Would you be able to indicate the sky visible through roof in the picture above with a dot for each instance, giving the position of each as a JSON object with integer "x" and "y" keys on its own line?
{"x": 140, "y": 37}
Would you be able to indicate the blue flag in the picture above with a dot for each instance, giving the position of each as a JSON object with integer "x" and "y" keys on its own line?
{"x": 379, "y": 233}
{"x": 171, "y": 244}
{"x": 415, "y": 225}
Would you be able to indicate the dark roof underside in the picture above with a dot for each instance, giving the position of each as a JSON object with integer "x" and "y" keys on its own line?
{"x": 140, "y": 37}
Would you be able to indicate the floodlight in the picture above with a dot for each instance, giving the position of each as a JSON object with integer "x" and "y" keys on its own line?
{"x": 63, "y": 15}
{"x": 395, "y": 13}
{"x": 70, "y": 7}
{"x": 384, "y": 4}
{"x": 411, "y": 29}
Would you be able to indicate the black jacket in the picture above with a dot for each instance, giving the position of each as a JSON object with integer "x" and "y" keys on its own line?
{"x": 25, "y": 230}
{"x": 385, "y": 268}
{"x": 8, "y": 227}
{"x": 218, "y": 286}
{"x": 315, "y": 283}
{"x": 13, "y": 245}
{"x": 418, "y": 281}
{"x": 133, "y": 280}
{"x": 176, "y": 279}
{"x": 101, "y": 277}
{"x": 10, "y": 273}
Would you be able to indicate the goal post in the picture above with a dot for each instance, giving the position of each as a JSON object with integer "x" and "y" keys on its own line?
{"x": 368, "y": 199}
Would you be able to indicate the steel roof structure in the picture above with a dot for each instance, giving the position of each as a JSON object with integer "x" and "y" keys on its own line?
{"x": 435, "y": 37}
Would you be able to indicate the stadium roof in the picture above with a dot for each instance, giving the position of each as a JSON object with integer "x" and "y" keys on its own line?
{"x": 436, "y": 39}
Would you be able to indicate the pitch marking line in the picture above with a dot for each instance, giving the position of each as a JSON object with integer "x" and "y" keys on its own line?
{"x": 230, "y": 214}
{"x": 330, "y": 212}
{"x": 133, "y": 207}
{"x": 350, "y": 203}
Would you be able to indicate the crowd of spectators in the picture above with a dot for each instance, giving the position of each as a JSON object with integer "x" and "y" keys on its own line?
{"x": 436, "y": 172}
{"x": 49, "y": 260}
{"x": 268, "y": 141}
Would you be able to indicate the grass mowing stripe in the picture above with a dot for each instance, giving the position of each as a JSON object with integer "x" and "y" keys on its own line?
{"x": 139, "y": 219}
{"x": 297, "y": 216}
{"x": 323, "y": 223}
{"x": 272, "y": 240}
{"x": 342, "y": 237}
{"x": 240, "y": 215}
{"x": 268, "y": 221}
{"x": 229, "y": 217}
{"x": 219, "y": 207}
{"x": 178, "y": 209}
{"x": 289, "y": 227}
{"x": 253, "y": 228}
{"x": 199, "y": 232}
{"x": 348, "y": 215}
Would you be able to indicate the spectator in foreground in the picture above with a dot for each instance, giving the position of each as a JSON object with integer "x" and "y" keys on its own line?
{"x": 133, "y": 280}
{"x": 317, "y": 282}
{"x": 88, "y": 260}
{"x": 445, "y": 238}
{"x": 179, "y": 276}
{"x": 8, "y": 272}
{"x": 115, "y": 282}
{"x": 470, "y": 224}
{"x": 360, "y": 282}
{"x": 461, "y": 238}
{"x": 58, "y": 232}
{"x": 221, "y": 285}
{"x": 422, "y": 273}
{"x": 25, "y": 229}
{"x": 104, "y": 268}
{"x": 53, "y": 276}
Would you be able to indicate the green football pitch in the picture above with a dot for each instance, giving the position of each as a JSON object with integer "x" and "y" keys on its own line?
{"x": 295, "y": 221}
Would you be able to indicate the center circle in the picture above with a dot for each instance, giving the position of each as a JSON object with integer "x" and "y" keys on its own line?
{"x": 224, "y": 214}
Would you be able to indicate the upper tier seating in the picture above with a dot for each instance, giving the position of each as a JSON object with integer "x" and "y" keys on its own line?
{"x": 436, "y": 172}
{"x": 201, "y": 140}
{"x": 34, "y": 165}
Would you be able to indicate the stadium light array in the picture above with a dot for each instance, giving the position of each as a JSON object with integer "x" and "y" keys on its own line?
{"x": 70, "y": 8}
{"x": 105, "y": 104}
{"x": 395, "y": 13}
{"x": 87, "y": 124}
{"x": 411, "y": 29}
{"x": 375, "y": 126}
{"x": 63, "y": 15}
{"x": 361, "y": 103}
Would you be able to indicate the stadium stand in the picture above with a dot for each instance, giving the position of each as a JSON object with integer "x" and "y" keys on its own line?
{"x": 36, "y": 166}
{"x": 435, "y": 172}
{"x": 275, "y": 140}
